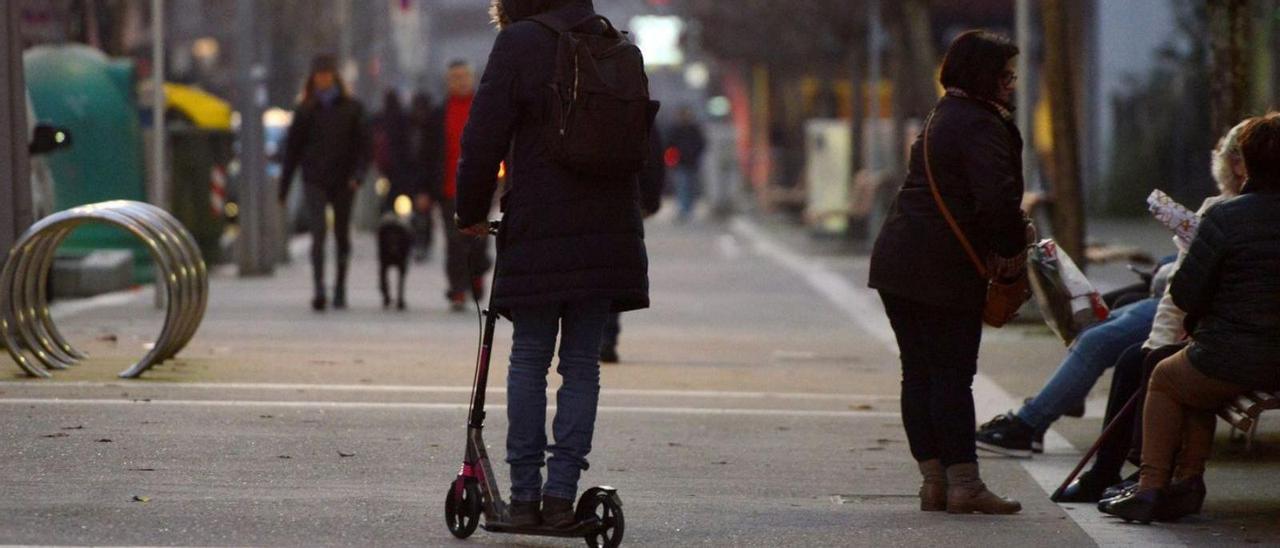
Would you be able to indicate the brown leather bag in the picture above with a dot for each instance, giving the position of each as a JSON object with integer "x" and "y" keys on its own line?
{"x": 1004, "y": 298}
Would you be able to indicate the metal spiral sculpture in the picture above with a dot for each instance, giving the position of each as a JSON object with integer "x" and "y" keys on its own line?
{"x": 26, "y": 325}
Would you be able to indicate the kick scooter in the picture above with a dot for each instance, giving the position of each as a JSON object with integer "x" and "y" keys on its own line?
{"x": 475, "y": 490}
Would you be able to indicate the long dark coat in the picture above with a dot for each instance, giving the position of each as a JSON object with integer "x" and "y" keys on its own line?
{"x": 565, "y": 237}
{"x": 1229, "y": 288}
{"x": 976, "y": 161}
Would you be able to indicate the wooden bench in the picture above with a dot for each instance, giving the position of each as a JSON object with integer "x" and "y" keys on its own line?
{"x": 1242, "y": 413}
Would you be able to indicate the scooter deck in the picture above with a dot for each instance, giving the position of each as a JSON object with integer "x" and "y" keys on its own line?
{"x": 581, "y": 529}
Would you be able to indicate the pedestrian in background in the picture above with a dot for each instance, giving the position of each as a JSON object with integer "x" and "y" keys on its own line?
{"x": 686, "y": 145}
{"x": 467, "y": 259}
{"x": 393, "y": 151}
{"x": 571, "y": 251}
{"x": 427, "y": 150}
{"x": 328, "y": 140}
{"x": 932, "y": 292}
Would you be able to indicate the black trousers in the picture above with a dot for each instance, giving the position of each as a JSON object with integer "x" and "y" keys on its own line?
{"x": 466, "y": 258}
{"x": 939, "y": 351}
{"x": 316, "y": 198}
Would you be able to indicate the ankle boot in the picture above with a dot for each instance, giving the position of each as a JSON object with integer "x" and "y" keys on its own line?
{"x": 933, "y": 490}
{"x": 318, "y": 301}
{"x": 340, "y": 288}
{"x": 967, "y": 494}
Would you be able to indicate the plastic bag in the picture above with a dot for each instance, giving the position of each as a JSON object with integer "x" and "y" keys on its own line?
{"x": 1067, "y": 299}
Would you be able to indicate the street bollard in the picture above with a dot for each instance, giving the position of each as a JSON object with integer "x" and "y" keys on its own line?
{"x": 27, "y": 330}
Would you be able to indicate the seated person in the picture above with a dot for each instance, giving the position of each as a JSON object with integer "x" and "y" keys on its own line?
{"x": 1096, "y": 349}
{"x": 1134, "y": 367}
{"x": 1229, "y": 288}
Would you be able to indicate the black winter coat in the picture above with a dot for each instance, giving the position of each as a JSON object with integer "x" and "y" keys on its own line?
{"x": 330, "y": 143}
{"x": 565, "y": 237}
{"x": 976, "y": 161}
{"x": 1229, "y": 287}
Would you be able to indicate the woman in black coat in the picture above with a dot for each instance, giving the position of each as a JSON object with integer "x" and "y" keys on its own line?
{"x": 571, "y": 250}
{"x": 328, "y": 140}
{"x": 1229, "y": 288}
{"x": 932, "y": 291}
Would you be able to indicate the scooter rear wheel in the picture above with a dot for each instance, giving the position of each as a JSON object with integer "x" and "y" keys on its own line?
{"x": 608, "y": 510}
{"x": 462, "y": 508}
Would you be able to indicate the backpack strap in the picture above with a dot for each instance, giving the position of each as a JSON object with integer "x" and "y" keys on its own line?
{"x": 560, "y": 27}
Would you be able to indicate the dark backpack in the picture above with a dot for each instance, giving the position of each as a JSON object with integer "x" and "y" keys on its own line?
{"x": 600, "y": 114}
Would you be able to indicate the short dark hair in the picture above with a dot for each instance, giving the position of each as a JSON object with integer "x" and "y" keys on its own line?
{"x": 1260, "y": 147}
{"x": 458, "y": 63}
{"x": 975, "y": 62}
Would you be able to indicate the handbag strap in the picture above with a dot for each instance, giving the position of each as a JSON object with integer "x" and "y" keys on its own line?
{"x": 942, "y": 206}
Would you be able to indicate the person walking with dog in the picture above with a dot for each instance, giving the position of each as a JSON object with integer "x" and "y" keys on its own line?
{"x": 328, "y": 140}
{"x": 964, "y": 183}
{"x": 571, "y": 248}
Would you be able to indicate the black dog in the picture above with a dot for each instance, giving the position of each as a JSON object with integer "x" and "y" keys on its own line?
{"x": 395, "y": 244}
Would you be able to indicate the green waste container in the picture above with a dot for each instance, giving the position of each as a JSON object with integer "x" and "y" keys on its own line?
{"x": 80, "y": 88}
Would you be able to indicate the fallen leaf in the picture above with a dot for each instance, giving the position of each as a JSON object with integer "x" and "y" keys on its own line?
{"x": 142, "y": 469}
{"x": 265, "y": 416}
{"x": 80, "y": 427}
{"x": 104, "y": 440}
{"x": 141, "y": 498}
{"x": 284, "y": 457}
{"x": 345, "y": 454}
{"x": 673, "y": 444}
{"x": 110, "y": 337}
{"x": 861, "y": 407}
{"x": 56, "y": 435}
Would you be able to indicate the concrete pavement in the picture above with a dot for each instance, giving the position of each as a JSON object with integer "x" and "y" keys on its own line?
{"x": 756, "y": 406}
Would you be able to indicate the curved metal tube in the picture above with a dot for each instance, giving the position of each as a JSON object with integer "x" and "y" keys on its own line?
{"x": 27, "y": 328}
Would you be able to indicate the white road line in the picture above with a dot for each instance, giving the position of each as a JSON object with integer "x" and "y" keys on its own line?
{"x": 728, "y": 246}
{"x": 989, "y": 397}
{"x": 408, "y": 389}
{"x": 410, "y": 406}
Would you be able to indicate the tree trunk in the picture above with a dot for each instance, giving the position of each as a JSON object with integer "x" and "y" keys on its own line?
{"x": 1230, "y": 32}
{"x": 1059, "y": 75}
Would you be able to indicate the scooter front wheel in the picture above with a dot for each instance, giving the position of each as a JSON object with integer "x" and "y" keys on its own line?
{"x": 608, "y": 510}
{"x": 462, "y": 508}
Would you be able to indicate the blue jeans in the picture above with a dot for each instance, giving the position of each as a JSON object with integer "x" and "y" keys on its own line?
{"x": 580, "y": 326}
{"x": 1093, "y": 352}
{"x": 686, "y": 182}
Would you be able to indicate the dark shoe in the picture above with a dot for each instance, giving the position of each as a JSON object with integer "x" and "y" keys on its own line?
{"x": 318, "y": 303}
{"x": 1104, "y": 505}
{"x": 340, "y": 298}
{"x": 401, "y": 306}
{"x": 1037, "y": 443}
{"x": 1006, "y": 435}
{"x": 524, "y": 514}
{"x": 1118, "y": 489}
{"x": 557, "y": 513}
{"x": 609, "y": 354}
{"x": 1141, "y": 506}
{"x": 457, "y": 301}
{"x": 1182, "y": 499}
{"x": 477, "y": 287}
{"x": 1088, "y": 487}
{"x": 967, "y": 494}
